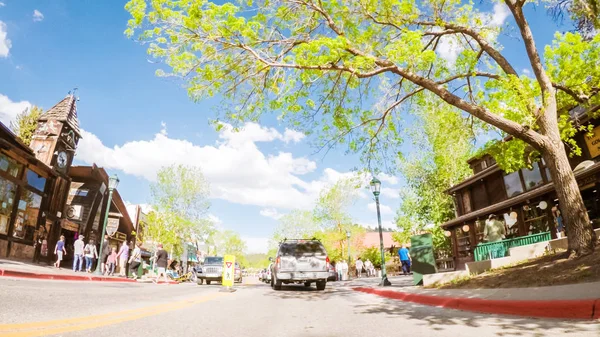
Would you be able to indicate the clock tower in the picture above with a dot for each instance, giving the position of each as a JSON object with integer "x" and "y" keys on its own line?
{"x": 57, "y": 134}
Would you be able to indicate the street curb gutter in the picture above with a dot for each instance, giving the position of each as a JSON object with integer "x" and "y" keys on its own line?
{"x": 20, "y": 274}
{"x": 569, "y": 309}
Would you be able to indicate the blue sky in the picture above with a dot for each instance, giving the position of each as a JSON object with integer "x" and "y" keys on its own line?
{"x": 135, "y": 122}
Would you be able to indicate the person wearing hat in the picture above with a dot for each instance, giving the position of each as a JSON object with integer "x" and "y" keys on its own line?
{"x": 494, "y": 229}
{"x": 78, "y": 253}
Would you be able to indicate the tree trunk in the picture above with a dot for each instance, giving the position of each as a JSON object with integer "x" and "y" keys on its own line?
{"x": 581, "y": 236}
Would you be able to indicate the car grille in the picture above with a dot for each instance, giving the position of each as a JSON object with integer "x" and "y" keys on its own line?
{"x": 212, "y": 270}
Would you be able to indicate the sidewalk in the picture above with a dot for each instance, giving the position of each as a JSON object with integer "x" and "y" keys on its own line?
{"x": 10, "y": 268}
{"x": 576, "y": 301}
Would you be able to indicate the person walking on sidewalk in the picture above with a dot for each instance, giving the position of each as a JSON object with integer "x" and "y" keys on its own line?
{"x": 135, "y": 260}
{"x": 162, "y": 260}
{"x": 106, "y": 250}
{"x": 91, "y": 253}
{"x": 111, "y": 261}
{"x": 359, "y": 267}
{"x": 78, "y": 253}
{"x": 123, "y": 257}
{"x": 405, "y": 259}
{"x": 59, "y": 250}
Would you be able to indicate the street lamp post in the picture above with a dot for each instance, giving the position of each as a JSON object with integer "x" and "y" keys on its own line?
{"x": 113, "y": 182}
{"x": 348, "y": 243}
{"x": 376, "y": 188}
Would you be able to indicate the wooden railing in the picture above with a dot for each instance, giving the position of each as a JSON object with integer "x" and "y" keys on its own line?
{"x": 445, "y": 264}
{"x": 494, "y": 250}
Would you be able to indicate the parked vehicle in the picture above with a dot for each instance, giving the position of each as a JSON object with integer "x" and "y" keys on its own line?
{"x": 211, "y": 270}
{"x": 332, "y": 274}
{"x": 268, "y": 272}
{"x": 300, "y": 261}
{"x": 238, "y": 273}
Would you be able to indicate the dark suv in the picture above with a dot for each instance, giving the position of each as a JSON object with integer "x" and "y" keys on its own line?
{"x": 300, "y": 261}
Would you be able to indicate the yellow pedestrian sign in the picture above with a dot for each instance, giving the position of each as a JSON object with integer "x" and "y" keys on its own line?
{"x": 228, "y": 270}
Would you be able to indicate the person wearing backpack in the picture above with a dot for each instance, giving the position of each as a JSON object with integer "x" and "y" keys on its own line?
{"x": 91, "y": 253}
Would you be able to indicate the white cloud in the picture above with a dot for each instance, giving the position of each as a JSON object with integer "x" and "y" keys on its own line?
{"x": 9, "y": 109}
{"x": 214, "y": 219}
{"x": 5, "y": 43}
{"x": 292, "y": 136}
{"x": 256, "y": 245}
{"x": 499, "y": 14}
{"x": 37, "y": 16}
{"x": 383, "y": 208}
{"x": 163, "y": 128}
{"x": 237, "y": 170}
{"x": 271, "y": 213}
{"x": 390, "y": 192}
{"x": 386, "y": 178}
{"x": 526, "y": 71}
{"x": 2, "y": 4}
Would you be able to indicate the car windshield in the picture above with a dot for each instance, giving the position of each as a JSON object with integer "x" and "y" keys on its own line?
{"x": 213, "y": 260}
{"x": 308, "y": 248}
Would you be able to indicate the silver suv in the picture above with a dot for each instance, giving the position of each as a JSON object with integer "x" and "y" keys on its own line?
{"x": 211, "y": 270}
{"x": 300, "y": 261}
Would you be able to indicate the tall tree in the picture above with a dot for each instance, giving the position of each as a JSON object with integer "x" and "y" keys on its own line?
{"x": 332, "y": 211}
{"x": 179, "y": 207}
{"x": 585, "y": 13}
{"x": 26, "y": 122}
{"x": 347, "y": 70}
{"x": 298, "y": 224}
{"x": 230, "y": 242}
{"x": 442, "y": 143}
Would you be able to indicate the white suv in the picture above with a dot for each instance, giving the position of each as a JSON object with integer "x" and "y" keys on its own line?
{"x": 300, "y": 261}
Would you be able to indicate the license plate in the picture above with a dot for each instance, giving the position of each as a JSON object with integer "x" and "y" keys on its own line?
{"x": 212, "y": 275}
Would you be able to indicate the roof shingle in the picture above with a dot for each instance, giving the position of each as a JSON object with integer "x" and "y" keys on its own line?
{"x": 64, "y": 111}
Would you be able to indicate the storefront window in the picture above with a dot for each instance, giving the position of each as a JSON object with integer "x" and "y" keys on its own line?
{"x": 533, "y": 177}
{"x": 9, "y": 165}
{"x": 7, "y": 198}
{"x": 27, "y": 215}
{"x": 513, "y": 184}
{"x": 35, "y": 180}
{"x": 464, "y": 243}
{"x": 536, "y": 219}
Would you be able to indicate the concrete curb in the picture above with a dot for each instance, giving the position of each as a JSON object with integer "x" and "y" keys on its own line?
{"x": 569, "y": 309}
{"x": 21, "y": 274}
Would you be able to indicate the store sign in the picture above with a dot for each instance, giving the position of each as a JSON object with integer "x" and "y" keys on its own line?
{"x": 69, "y": 225}
{"x": 593, "y": 143}
{"x": 121, "y": 236}
{"x": 112, "y": 226}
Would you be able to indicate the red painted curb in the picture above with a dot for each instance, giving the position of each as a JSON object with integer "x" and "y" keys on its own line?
{"x": 570, "y": 309}
{"x": 20, "y": 274}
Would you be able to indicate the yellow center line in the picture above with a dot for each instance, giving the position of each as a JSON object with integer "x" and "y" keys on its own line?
{"x": 90, "y": 322}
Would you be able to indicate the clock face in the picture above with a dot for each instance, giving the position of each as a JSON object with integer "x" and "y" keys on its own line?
{"x": 61, "y": 159}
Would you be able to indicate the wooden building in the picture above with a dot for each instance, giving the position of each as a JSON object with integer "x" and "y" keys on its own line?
{"x": 527, "y": 194}
{"x": 86, "y": 207}
{"x": 34, "y": 182}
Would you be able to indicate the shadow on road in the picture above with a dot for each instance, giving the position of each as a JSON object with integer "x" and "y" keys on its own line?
{"x": 300, "y": 292}
{"x": 440, "y": 319}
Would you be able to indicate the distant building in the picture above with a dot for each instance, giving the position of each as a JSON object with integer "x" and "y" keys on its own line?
{"x": 371, "y": 239}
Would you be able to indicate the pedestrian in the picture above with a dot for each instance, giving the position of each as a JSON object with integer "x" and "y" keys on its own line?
{"x": 405, "y": 259}
{"x": 558, "y": 220}
{"x": 368, "y": 266}
{"x": 111, "y": 261}
{"x": 123, "y": 257}
{"x": 106, "y": 250}
{"x": 339, "y": 267}
{"x": 91, "y": 253}
{"x": 59, "y": 251}
{"x": 162, "y": 260}
{"x": 135, "y": 260}
{"x": 345, "y": 271}
{"x": 78, "y": 253}
{"x": 359, "y": 266}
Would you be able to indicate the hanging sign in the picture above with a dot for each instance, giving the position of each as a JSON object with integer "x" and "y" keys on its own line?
{"x": 228, "y": 270}
{"x": 593, "y": 142}
{"x": 112, "y": 226}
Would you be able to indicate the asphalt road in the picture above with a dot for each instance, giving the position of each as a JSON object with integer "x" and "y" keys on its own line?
{"x": 60, "y": 308}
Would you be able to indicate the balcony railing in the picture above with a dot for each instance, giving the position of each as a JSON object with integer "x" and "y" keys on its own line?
{"x": 494, "y": 250}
